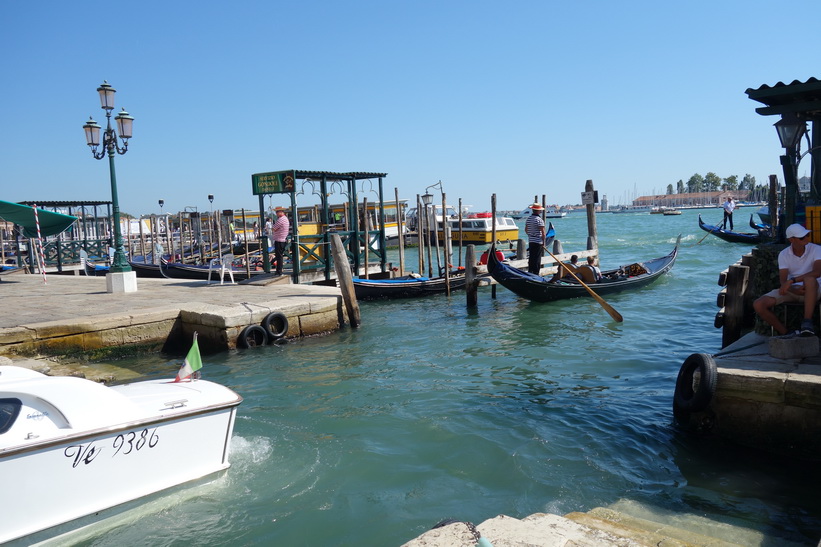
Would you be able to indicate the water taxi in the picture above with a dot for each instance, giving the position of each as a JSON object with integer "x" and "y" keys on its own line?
{"x": 71, "y": 448}
{"x": 478, "y": 229}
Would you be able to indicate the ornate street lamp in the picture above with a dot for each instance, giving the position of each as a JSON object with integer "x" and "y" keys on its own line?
{"x": 110, "y": 146}
{"x": 790, "y": 129}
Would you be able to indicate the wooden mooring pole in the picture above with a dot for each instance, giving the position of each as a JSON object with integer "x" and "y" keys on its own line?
{"x": 471, "y": 283}
{"x": 400, "y": 226}
{"x": 343, "y": 274}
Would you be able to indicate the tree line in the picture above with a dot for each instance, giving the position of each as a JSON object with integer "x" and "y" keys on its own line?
{"x": 713, "y": 183}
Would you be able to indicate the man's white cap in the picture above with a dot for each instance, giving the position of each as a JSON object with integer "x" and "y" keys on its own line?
{"x": 796, "y": 230}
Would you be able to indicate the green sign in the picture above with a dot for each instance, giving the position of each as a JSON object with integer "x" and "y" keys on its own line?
{"x": 278, "y": 182}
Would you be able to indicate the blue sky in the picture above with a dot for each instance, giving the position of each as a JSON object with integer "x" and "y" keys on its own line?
{"x": 517, "y": 98}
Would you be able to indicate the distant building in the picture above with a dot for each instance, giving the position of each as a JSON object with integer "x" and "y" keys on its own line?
{"x": 695, "y": 199}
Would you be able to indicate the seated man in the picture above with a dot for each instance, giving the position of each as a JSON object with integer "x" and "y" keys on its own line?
{"x": 562, "y": 272}
{"x": 799, "y": 270}
{"x": 591, "y": 265}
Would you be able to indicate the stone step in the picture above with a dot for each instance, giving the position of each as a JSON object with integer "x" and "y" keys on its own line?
{"x": 645, "y": 532}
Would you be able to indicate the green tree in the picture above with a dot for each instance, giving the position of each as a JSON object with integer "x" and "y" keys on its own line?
{"x": 680, "y": 186}
{"x": 731, "y": 183}
{"x": 669, "y": 189}
{"x": 695, "y": 184}
{"x": 747, "y": 183}
{"x": 711, "y": 182}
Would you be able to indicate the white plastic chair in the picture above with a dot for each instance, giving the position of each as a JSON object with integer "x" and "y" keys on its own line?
{"x": 224, "y": 265}
{"x": 83, "y": 261}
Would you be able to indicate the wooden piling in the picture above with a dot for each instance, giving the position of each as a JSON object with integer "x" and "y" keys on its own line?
{"x": 471, "y": 282}
{"x": 737, "y": 276}
{"x": 445, "y": 241}
{"x": 343, "y": 274}
{"x": 592, "y": 230}
{"x": 772, "y": 205}
{"x": 400, "y": 227}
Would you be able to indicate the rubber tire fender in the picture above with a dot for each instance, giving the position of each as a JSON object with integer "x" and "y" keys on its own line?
{"x": 252, "y": 336}
{"x": 275, "y": 325}
{"x": 688, "y": 399}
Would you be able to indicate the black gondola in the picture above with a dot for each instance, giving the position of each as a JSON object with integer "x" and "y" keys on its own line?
{"x": 409, "y": 286}
{"x": 540, "y": 289}
{"x": 147, "y": 269}
{"x": 761, "y": 232}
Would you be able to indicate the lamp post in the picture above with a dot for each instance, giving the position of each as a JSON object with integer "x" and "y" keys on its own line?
{"x": 109, "y": 147}
{"x": 790, "y": 129}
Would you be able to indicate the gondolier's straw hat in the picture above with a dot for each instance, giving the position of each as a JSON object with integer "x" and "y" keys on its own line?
{"x": 536, "y": 207}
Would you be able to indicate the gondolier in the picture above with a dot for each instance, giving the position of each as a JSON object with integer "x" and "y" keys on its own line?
{"x": 534, "y": 228}
{"x": 729, "y": 206}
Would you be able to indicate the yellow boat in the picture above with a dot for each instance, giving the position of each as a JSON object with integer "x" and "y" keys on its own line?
{"x": 480, "y": 230}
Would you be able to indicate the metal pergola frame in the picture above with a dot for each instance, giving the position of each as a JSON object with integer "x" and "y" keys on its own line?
{"x": 288, "y": 182}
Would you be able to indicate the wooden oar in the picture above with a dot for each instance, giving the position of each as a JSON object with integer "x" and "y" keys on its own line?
{"x": 708, "y": 233}
{"x": 607, "y": 307}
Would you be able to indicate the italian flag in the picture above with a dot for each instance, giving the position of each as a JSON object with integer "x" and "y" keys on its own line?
{"x": 192, "y": 363}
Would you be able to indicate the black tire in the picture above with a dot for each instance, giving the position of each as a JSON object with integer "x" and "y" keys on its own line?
{"x": 275, "y": 325}
{"x": 252, "y": 336}
{"x": 688, "y": 398}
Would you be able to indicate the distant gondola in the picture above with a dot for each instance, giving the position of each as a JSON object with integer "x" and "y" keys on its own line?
{"x": 147, "y": 269}
{"x": 406, "y": 286}
{"x": 177, "y": 270}
{"x": 537, "y": 288}
{"x": 410, "y": 286}
{"x": 761, "y": 233}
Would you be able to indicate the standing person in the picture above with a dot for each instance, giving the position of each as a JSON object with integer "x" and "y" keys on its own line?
{"x": 534, "y": 228}
{"x": 799, "y": 270}
{"x": 280, "y": 234}
{"x": 729, "y": 205}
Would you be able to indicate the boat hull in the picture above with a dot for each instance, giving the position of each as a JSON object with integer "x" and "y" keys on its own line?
{"x": 72, "y": 467}
{"x": 734, "y": 237}
{"x": 539, "y": 289}
{"x": 374, "y": 289}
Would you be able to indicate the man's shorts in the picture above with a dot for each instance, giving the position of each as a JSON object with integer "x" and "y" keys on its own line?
{"x": 789, "y": 297}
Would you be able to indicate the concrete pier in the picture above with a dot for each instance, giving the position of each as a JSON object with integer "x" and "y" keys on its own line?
{"x": 767, "y": 396}
{"x": 75, "y": 314}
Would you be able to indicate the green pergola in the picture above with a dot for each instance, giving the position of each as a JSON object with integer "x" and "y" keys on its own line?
{"x": 294, "y": 182}
{"x": 796, "y": 103}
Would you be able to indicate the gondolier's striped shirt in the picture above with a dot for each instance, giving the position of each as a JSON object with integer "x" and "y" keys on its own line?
{"x": 533, "y": 229}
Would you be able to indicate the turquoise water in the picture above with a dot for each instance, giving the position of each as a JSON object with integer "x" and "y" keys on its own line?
{"x": 432, "y": 411}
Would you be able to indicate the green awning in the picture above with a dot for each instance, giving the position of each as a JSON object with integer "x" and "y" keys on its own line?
{"x": 23, "y": 215}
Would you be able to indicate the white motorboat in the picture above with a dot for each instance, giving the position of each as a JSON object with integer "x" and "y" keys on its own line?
{"x": 72, "y": 449}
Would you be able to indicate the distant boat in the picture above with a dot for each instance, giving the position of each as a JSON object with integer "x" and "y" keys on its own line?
{"x": 479, "y": 230}
{"x": 633, "y": 209}
{"x": 549, "y": 212}
{"x": 670, "y": 211}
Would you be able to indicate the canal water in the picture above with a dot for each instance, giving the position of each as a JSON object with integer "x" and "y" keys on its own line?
{"x": 429, "y": 411}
